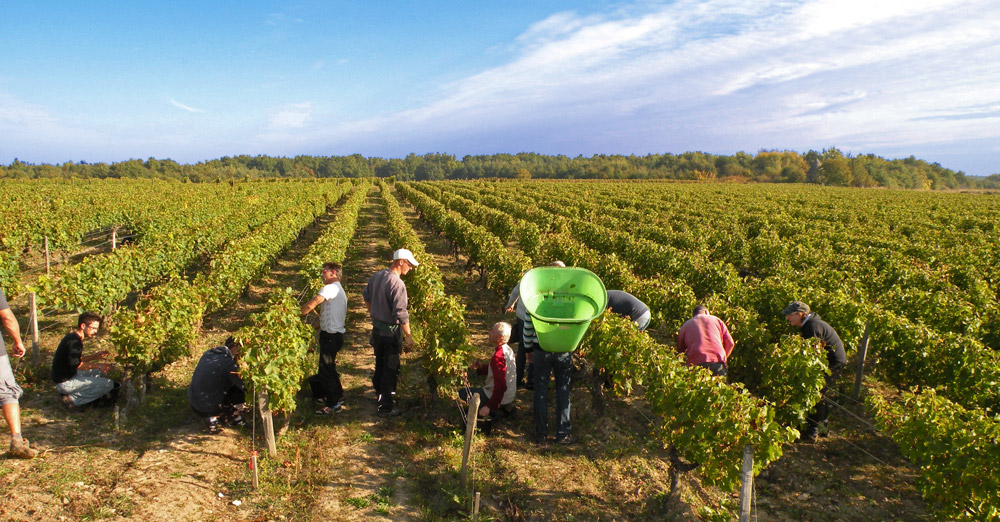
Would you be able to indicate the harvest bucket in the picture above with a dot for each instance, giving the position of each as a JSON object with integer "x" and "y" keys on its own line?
{"x": 562, "y": 302}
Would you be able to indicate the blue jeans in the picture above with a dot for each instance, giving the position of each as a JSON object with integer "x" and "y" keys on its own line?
{"x": 561, "y": 364}
{"x": 86, "y": 386}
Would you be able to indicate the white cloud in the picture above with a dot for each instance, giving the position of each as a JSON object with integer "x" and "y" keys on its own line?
{"x": 290, "y": 117}
{"x": 180, "y": 105}
{"x": 30, "y": 130}
{"x": 746, "y": 74}
{"x": 17, "y": 114}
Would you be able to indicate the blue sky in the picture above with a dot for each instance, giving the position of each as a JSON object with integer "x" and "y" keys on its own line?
{"x": 190, "y": 81}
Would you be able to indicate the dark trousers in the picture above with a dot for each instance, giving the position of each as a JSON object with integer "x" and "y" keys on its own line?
{"x": 515, "y": 337}
{"x": 561, "y": 365}
{"x": 717, "y": 368}
{"x": 525, "y": 370}
{"x": 227, "y": 407}
{"x": 326, "y": 384}
{"x": 823, "y": 407}
{"x": 387, "y": 347}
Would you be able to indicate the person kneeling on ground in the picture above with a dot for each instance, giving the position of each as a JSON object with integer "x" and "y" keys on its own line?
{"x": 216, "y": 392}
{"x": 496, "y": 397}
{"x": 78, "y": 379}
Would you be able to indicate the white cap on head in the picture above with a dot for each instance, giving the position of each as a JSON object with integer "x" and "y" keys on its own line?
{"x": 403, "y": 253}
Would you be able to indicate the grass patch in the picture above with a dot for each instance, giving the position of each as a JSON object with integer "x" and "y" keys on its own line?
{"x": 357, "y": 502}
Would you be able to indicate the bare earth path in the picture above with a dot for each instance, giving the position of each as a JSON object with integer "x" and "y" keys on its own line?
{"x": 366, "y": 476}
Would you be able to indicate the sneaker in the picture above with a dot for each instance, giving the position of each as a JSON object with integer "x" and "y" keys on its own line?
{"x": 565, "y": 440}
{"x": 389, "y": 413}
{"x": 326, "y": 410}
{"x": 213, "y": 425}
{"x": 22, "y": 450}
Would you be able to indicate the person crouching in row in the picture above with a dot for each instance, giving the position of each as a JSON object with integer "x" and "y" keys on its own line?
{"x": 496, "y": 396}
{"x": 216, "y": 393}
{"x": 80, "y": 380}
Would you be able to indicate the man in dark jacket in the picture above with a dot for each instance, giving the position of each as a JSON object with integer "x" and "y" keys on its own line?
{"x": 811, "y": 326}
{"x": 628, "y": 305}
{"x": 216, "y": 392}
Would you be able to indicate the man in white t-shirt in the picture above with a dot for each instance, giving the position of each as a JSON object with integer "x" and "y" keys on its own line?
{"x": 332, "y": 315}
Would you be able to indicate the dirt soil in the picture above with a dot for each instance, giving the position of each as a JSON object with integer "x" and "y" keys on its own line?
{"x": 159, "y": 463}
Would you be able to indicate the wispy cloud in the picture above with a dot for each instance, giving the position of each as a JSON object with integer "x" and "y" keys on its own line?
{"x": 290, "y": 117}
{"x": 730, "y": 74}
{"x": 281, "y": 19}
{"x": 30, "y": 129}
{"x": 17, "y": 114}
{"x": 180, "y": 105}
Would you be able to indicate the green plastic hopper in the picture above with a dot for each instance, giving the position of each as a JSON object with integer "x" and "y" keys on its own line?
{"x": 562, "y": 302}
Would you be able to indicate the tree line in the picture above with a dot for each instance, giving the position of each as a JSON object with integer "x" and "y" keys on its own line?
{"x": 828, "y": 167}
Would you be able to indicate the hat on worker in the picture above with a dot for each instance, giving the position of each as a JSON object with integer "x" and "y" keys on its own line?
{"x": 406, "y": 255}
{"x": 795, "y": 306}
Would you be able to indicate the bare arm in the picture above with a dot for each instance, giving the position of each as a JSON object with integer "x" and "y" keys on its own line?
{"x": 313, "y": 303}
{"x": 10, "y": 324}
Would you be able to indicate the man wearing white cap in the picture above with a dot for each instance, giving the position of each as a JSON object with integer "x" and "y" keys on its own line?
{"x": 386, "y": 298}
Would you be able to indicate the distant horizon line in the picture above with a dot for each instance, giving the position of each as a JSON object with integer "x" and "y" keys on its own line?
{"x": 460, "y": 158}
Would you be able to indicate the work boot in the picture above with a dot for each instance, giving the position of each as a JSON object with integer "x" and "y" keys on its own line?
{"x": 20, "y": 449}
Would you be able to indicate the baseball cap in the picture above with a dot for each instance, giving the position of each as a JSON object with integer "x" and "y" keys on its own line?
{"x": 795, "y": 306}
{"x": 403, "y": 253}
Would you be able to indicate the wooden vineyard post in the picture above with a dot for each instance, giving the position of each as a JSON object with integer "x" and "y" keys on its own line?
{"x": 33, "y": 303}
{"x": 253, "y": 466}
{"x": 47, "y": 262}
{"x": 475, "y": 509}
{"x": 746, "y": 488}
{"x": 470, "y": 430}
{"x": 265, "y": 416}
{"x": 862, "y": 354}
{"x": 114, "y": 238}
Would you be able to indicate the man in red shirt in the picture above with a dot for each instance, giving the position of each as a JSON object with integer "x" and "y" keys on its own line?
{"x": 706, "y": 341}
